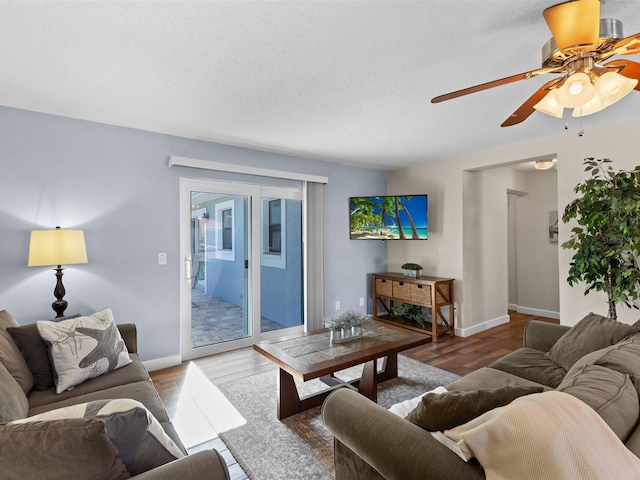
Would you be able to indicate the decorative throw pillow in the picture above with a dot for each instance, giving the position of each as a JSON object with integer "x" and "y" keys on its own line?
{"x": 450, "y": 409}
{"x": 10, "y": 354}
{"x": 591, "y": 333}
{"x": 623, "y": 357}
{"x": 83, "y": 348}
{"x": 35, "y": 353}
{"x": 611, "y": 394}
{"x": 13, "y": 401}
{"x": 74, "y": 448}
{"x": 139, "y": 438}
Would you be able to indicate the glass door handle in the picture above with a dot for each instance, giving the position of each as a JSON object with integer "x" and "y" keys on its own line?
{"x": 187, "y": 268}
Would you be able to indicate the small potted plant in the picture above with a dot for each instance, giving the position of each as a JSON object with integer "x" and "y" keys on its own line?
{"x": 346, "y": 326}
{"x": 411, "y": 270}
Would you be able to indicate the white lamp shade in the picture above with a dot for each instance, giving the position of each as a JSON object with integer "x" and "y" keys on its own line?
{"x": 549, "y": 104}
{"x": 613, "y": 87}
{"x": 592, "y": 106}
{"x": 576, "y": 91}
{"x": 57, "y": 247}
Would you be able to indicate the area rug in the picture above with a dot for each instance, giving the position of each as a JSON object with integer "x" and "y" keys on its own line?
{"x": 300, "y": 447}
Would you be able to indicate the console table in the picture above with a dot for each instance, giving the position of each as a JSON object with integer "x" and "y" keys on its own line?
{"x": 437, "y": 293}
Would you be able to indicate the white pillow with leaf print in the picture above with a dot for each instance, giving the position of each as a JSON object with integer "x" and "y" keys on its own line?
{"x": 83, "y": 347}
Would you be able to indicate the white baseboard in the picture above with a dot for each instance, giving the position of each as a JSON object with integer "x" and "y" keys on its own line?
{"x": 481, "y": 327}
{"x": 538, "y": 312}
{"x": 513, "y": 306}
{"x": 164, "y": 362}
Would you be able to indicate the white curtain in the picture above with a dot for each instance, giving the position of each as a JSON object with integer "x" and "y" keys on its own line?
{"x": 314, "y": 255}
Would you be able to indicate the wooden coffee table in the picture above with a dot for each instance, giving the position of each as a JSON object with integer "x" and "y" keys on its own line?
{"x": 312, "y": 355}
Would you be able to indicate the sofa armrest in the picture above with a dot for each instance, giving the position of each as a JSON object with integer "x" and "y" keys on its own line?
{"x": 206, "y": 464}
{"x": 129, "y": 334}
{"x": 396, "y": 448}
{"x": 542, "y": 335}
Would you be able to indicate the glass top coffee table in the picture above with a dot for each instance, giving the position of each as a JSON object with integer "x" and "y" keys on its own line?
{"x": 313, "y": 355}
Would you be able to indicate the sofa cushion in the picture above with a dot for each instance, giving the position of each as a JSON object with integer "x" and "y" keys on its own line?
{"x": 623, "y": 357}
{"x": 10, "y": 354}
{"x": 611, "y": 394}
{"x": 439, "y": 412}
{"x": 35, "y": 353}
{"x": 83, "y": 348}
{"x": 137, "y": 435}
{"x": 488, "y": 378}
{"x": 13, "y": 401}
{"x": 134, "y": 372}
{"x": 591, "y": 333}
{"x": 142, "y": 392}
{"x": 77, "y": 448}
{"x": 533, "y": 365}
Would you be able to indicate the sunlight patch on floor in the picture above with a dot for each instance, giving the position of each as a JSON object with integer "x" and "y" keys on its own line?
{"x": 203, "y": 411}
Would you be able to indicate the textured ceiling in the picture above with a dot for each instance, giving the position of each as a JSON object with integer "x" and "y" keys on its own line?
{"x": 344, "y": 81}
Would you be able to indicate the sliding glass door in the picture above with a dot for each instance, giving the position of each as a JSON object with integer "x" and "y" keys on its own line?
{"x": 228, "y": 300}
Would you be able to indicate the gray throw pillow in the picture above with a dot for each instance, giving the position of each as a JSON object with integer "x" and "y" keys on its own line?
{"x": 140, "y": 440}
{"x": 34, "y": 351}
{"x": 437, "y": 413}
{"x": 10, "y": 354}
{"x": 13, "y": 401}
{"x": 74, "y": 448}
{"x": 611, "y": 394}
{"x": 591, "y": 333}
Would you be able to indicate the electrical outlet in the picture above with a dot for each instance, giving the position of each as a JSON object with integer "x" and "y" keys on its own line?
{"x": 361, "y": 301}
{"x": 337, "y": 305}
{"x": 162, "y": 258}
{"x": 442, "y": 250}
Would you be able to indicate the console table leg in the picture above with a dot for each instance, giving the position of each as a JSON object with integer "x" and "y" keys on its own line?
{"x": 288, "y": 398}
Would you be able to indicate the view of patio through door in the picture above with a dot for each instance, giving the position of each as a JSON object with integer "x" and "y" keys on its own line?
{"x": 232, "y": 301}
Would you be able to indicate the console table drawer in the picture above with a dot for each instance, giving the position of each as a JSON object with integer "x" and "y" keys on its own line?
{"x": 384, "y": 287}
{"x": 421, "y": 294}
{"x": 402, "y": 290}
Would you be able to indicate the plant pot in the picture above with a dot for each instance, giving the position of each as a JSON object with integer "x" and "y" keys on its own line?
{"x": 345, "y": 334}
{"x": 412, "y": 273}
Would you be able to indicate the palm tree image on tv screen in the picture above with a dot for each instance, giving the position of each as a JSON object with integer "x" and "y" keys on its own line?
{"x": 401, "y": 217}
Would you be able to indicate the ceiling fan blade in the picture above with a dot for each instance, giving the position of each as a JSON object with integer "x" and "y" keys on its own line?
{"x": 494, "y": 83}
{"x": 626, "y": 46}
{"x": 626, "y": 68}
{"x": 575, "y": 25}
{"x": 526, "y": 109}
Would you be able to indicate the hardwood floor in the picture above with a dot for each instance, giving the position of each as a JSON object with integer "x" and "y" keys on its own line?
{"x": 459, "y": 355}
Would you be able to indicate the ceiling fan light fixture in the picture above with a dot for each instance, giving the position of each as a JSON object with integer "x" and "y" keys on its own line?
{"x": 549, "y": 104}
{"x": 592, "y": 106}
{"x": 576, "y": 90}
{"x": 612, "y": 87}
{"x": 543, "y": 164}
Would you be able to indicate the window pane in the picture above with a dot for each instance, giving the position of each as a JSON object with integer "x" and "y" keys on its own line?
{"x": 227, "y": 230}
{"x": 275, "y": 226}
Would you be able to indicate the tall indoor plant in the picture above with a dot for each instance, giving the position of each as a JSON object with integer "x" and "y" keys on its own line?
{"x": 607, "y": 238}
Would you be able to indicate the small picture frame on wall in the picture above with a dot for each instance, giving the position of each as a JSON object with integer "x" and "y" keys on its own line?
{"x": 553, "y": 226}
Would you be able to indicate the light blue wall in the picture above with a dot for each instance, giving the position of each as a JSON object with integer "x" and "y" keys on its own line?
{"x": 114, "y": 184}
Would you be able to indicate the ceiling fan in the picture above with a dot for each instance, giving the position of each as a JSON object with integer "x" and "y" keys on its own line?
{"x": 581, "y": 42}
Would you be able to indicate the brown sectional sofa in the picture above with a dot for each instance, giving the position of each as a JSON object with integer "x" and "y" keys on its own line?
{"x": 371, "y": 443}
{"x": 131, "y": 381}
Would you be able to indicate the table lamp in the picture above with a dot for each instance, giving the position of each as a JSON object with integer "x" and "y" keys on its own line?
{"x": 57, "y": 247}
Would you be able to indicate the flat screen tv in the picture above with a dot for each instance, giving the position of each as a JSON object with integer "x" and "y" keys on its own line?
{"x": 402, "y": 217}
